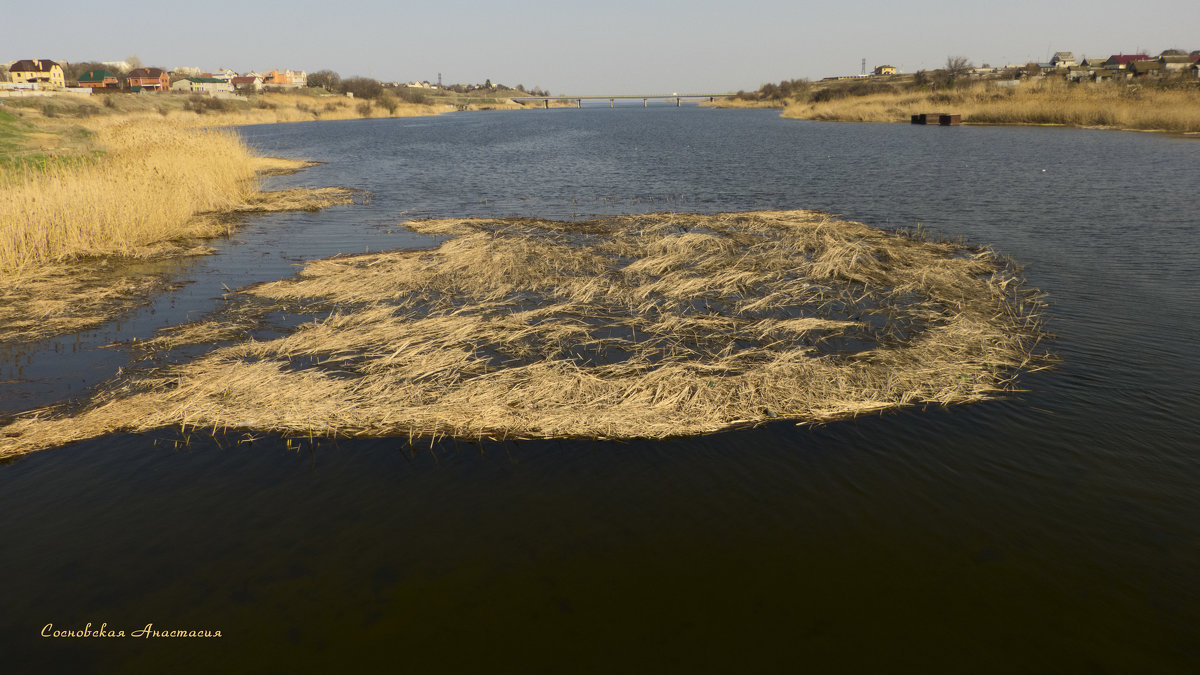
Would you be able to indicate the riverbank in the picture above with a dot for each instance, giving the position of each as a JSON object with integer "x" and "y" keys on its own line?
{"x": 89, "y": 202}
{"x": 1104, "y": 105}
{"x": 195, "y": 110}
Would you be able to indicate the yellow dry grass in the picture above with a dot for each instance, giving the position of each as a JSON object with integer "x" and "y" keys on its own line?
{"x": 638, "y": 326}
{"x": 75, "y": 234}
{"x": 151, "y": 181}
{"x": 274, "y": 108}
{"x": 1111, "y": 105}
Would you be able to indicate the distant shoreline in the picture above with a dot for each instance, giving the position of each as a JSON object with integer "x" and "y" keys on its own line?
{"x": 1111, "y": 106}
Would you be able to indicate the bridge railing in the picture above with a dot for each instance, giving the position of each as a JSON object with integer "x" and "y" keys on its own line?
{"x": 614, "y": 97}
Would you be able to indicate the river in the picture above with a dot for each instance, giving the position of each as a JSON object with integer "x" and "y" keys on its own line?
{"x": 1054, "y": 530}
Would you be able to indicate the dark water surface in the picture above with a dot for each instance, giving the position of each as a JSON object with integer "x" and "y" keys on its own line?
{"x": 1057, "y": 530}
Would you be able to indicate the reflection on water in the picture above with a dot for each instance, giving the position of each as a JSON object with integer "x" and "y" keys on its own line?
{"x": 1057, "y": 530}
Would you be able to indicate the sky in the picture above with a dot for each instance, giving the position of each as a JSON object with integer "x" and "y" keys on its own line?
{"x": 600, "y": 47}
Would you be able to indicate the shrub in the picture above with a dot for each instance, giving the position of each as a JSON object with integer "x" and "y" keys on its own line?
{"x": 201, "y": 104}
{"x": 362, "y": 87}
{"x": 413, "y": 95}
{"x": 389, "y": 102}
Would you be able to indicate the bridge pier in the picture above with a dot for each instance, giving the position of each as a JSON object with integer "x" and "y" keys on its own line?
{"x": 610, "y": 103}
{"x": 643, "y": 103}
{"x": 677, "y": 103}
{"x": 547, "y": 102}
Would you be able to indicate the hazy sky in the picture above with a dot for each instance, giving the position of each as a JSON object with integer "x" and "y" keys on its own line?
{"x": 601, "y": 47}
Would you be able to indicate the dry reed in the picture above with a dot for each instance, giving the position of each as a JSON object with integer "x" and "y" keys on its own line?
{"x": 639, "y": 326}
{"x": 75, "y": 235}
{"x": 152, "y": 180}
{"x": 1109, "y": 105}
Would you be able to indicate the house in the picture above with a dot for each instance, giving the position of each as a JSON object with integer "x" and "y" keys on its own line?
{"x": 1144, "y": 68}
{"x": 149, "y": 79}
{"x": 202, "y": 85}
{"x": 885, "y": 70}
{"x": 1079, "y": 73}
{"x": 37, "y": 71}
{"x": 287, "y": 78}
{"x": 247, "y": 82}
{"x": 1123, "y": 60}
{"x": 224, "y": 74}
{"x": 1063, "y": 60}
{"x": 1094, "y": 63}
{"x": 1175, "y": 63}
{"x": 98, "y": 79}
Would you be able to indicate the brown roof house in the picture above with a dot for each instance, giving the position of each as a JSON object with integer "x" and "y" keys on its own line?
{"x": 98, "y": 79}
{"x": 247, "y": 83}
{"x": 1175, "y": 62}
{"x": 149, "y": 79}
{"x": 40, "y": 71}
{"x": 1144, "y": 68}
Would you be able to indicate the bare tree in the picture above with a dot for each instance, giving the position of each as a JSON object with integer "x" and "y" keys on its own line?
{"x": 957, "y": 66}
{"x": 362, "y": 87}
{"x": 325, "y": 78}
{"x": 72, "y": 71}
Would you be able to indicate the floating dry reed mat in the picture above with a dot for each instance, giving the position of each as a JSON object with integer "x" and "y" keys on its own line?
{"x": 637, "y": 326}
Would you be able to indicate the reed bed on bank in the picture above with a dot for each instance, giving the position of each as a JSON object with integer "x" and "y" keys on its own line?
{"x": 81, "y": 237}
{"x": 60, "y": 298}
{"x": 639, "y": 326}
{"x": 274, "y": 108}
{"x": 1113, "y": 105}
{"x": 151, "y": 181}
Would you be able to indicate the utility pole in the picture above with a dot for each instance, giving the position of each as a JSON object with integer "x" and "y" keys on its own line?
{"x": 864, "y": 70}
{"x": 439, "y": 80}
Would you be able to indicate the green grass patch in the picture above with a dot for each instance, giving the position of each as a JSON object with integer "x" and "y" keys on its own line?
{"x": 12, "y": 133}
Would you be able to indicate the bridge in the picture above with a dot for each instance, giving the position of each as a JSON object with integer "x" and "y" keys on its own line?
{"x": 613, "y": 98}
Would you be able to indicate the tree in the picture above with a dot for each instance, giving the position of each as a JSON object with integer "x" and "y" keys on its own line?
{"x": 389, "y": 102}
{"x": 362, "y": 87}
{"x": 328, "y": 79}
{"x": 133, "y": 62}
{"x": 72, "y": 71}
{"x": 957, "y": 66}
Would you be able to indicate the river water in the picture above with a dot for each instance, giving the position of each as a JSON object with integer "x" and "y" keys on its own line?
{"x": 1055, "y": 530}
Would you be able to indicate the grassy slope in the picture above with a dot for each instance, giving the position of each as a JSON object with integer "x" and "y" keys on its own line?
{"x": 12, "y": 135}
